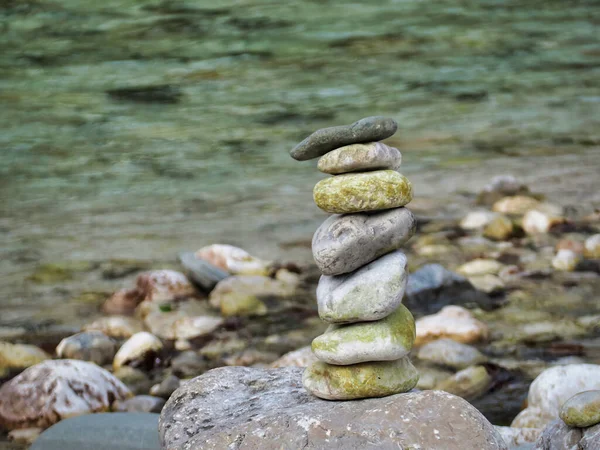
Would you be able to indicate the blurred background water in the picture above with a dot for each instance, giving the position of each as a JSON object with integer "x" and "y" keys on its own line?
{"x": 134, "y": 129}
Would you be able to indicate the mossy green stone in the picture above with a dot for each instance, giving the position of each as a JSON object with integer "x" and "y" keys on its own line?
{"x": 364, "y": 380}
{"x": 383, "y": 340}
{"x": 367, "y": 191}
{"x": 582, "y": 410}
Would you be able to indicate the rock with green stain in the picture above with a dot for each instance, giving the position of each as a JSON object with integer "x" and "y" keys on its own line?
{"x": 582, "y": 410}
{"x": 364, "y": 380}
{"x": 383, "y": 340}
{"x": 322, "y": 141}
{"x": 360, "y": 157}
{"x": 344, "y": 243}
{"x": 370, "y": 293}
{"x": 366, "y": 191}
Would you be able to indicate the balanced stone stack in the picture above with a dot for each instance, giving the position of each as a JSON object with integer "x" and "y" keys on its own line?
{"x": 364, "y": 352}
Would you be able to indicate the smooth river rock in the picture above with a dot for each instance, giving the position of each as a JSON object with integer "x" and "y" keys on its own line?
{"x": 387, "y": 339}
{"x": 449, "y": 353}
{"x": 369, "y": 129}
{"x": 93, "y": 346}
{"x": 344, "y": 243}
{"x": 359, "y": 158}
{"x": 370, "y": 293}
{"x": 559, "y": 436}
{"x": 268, "y": 409}
{"x": 366, "y": 191}
{"x": 364, "y": 380}
{"x": 582, "y": 410}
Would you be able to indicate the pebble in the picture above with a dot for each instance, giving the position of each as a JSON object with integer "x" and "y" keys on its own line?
{"x": 591, "y": 247}
{"x": 387, "y": 339}
{"x": 499, "y": 228}
{"x": 366, "y": 191}
{"x": 123, "y": 302}
{"x": 477, "y": 220}
{"x": 369, "y": 379}
{"x": 52, "y": 390}
{"x": 582, "y": 410}
{"x": 566, "y": 260}
{"x": 487, "y": 283}
{"x": 469, "y": 383}
{"x": 20, "y": 356}
{"x": 166, "y": 387}
{"x": 370, "y": 293}
{"x": 452, "y": 322}
{"x": 93, "y": 346}
{"x": 161, "y": 286}
{"x": 201, "y": 272}
{"x": 449, "y": 353}
{"x": 516, "y": 205}
{"x": 117, "y": 327}
{"x": 369, "y": 129}
{"x": 137, "y": 350}
{"x": 481, "y": 267}
{"x": 137, "y": 381}
{"x": 360, "y": 157}
{"x": 232, "y": 259}
{"x": 344, "y": 243}
{"x": 303, "y": 357}
{"x": 193, "y": 327}
{"x": 139, "y": 404}
{"x": 538, "y": 222}
{"x": 24, "y": 436}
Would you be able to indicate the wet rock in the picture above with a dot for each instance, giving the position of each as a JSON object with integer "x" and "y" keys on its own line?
{"x": 364, "y": 380}
{"x": 387, "y": 339}
{"x": 359, "y": 158}
{"x": 138, "y": 382}
{"x": 116, "y": 326}
{"x": 516, "y": 205}
{"x": 140, "y": 404}
{"x": 193, "y": 327}
{"x": 452, "y": 322}
{"x": 341, "y": 298}
{"x": 302, "y": 357}
{"x": 110, "y": 431}
{"x": 344, "y": 243}
{"x": 477, "y": 220}
{"x": 166, "y": 387}
{"x": 469, "y": 383}
{"x": 592, "y": 247}
{"x": 449, "y": 353}
{"x": 189, "y": 364}
{"x": 93, "y": 346}
{"x": 582, "y": 410}
{"x": 20, "y": 356}
{"x": 552, "y": 388}
{"x": 480, "y": 267}
{"x": 539, "y": 221}
{"x": 431, "y": 376}
{"x": 263, "y": 408}
{"x": 140, "y": 349}
{"x": 53, "y": 390}
{"x": 519, "y": 438}
{"x": 499, "y": 228}
{"x": 366, "y": 191}
{"x": 572, "y": 244}
{"x": 233, "y": 260}
{"x": 490, "y": 284}
{"x": 369, "y": 129}
{"x": 201, "y": 272}
{"x": 566, "y": 260}
{"x": 432, "y": 287}
{"x": 123, "y": 302}
{"x": 164, "y": 285}
{"x": 559, "y": 436}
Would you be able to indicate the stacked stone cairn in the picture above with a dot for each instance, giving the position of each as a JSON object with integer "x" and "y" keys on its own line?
{"x": 364, "y": 352}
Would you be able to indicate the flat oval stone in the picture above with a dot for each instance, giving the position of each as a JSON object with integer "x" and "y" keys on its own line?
{"x": 375, "y": 128}
{"x": 370, "y": 293}
{"x": 365, "y": 191}
{"x": 364, "y": 380}
{"x": 343, "y": 243}
{"x": 384, "y": 340}
{"x": 582, "y": 410}
{"x": 360, "y": 157}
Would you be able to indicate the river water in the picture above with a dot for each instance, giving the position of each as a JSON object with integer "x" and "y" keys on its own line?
{"x": 134, "y": 129}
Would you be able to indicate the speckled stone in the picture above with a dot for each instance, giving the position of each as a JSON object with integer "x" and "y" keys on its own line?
{"x": 370, "y": 293}
{"x": 360, "y": 157}
{"x": 366, "y": 191}
{"x": 383, "y": 340}
{"x": 375, "y": 128}
{"x": 364, "y": 380}
{"x": 582, "y": 410}
{"x": 343, "y": 243}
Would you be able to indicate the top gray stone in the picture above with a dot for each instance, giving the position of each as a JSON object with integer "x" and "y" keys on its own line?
{"x": 268, "y": 409}
{"x": 325, "y": 140}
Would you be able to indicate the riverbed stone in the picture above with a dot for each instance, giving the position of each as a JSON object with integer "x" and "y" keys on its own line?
{"x": 93, "y": 346}
{"x": 240, "y": 407}
{"x": 387, "y": 339}
{"x": 451, "y": 322}
{"x": 201, "y": 272}
{"x": 370, "y": 293}
{"x": 592, "y": 247}
{"x": 366, "y": 191}
{"x": 449, "y": 353}
{"x": 369, "y": 129}
{"x": 137, "y": 350}
{"x": 343, "y": 243}
{"x": 469, "y": 383}
{"x": 559, "y": 436}
{"x": 363, "y": 380}
{"x": 582, "y": 410}
{"x": 360, "y": 157}
{"x": 118, "y": 327}
{"x": 499, "y": 228}
{"x": 139, "y": 404}
{"x": 20, "y": 356}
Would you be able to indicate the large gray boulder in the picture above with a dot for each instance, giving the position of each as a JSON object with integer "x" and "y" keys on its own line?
{"x": 247, "y": 408}
{"x": 559, "y": 436}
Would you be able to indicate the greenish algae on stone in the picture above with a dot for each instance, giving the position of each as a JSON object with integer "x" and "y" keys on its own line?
{"x": 364, "y": 380}
{"x": 239, "y": 304}
{"x": 582, "y": 410}
{"x": 369, "y": 191}
{"x": 384, "y": 340}
{"x": 360, "y": 157}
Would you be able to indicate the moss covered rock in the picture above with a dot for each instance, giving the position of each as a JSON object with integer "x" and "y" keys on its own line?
{"x": 364, "y": 380}
{"x": 582, "y": 410}
{"x": 383, "y": 340}
{"x": 368, "y": 191}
